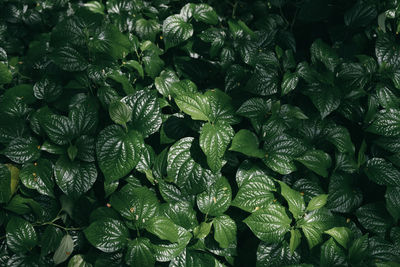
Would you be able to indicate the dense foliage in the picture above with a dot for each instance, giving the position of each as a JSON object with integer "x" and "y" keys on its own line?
{"x": 209, "y": 133}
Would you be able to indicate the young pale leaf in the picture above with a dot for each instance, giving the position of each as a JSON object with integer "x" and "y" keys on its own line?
{"x": 95, "y": 7}
{"x": 64, "y": 249}
{"x": 269, "y": 224}
{"x": 246, "y": 142}
{"x": 342, "y": 235}
{"x": 201, "y": 231}
{"x": 136, "y": 66}
{"x": 140, "y": 252}
{"x": 295, "y": 239}
{"x": 317, "y": 202}
{"x": 79, "y": 261}
{"x": 214, "y": 139}
{"x": 316, "y": 160}
{"x": 74, "y": 177}
{"x": 118, "y": 151}
{"x": 224, "y": 231}
{"x": 176, "y": 30}
{"x": 332, "y": 255}
{"x": 39, "y": 176}
{"x": 216, "y": 199}
{"x": 163, "y": 227}
{"x": 294, "y": 199}
{"x": 107, "y": 235}
{"x": 21, "y": 236}
{"x": 119, "y": 112}
{"x": 194, "y": 104}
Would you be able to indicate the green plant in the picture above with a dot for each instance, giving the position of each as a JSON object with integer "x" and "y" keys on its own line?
{"x": 209, "y": 133}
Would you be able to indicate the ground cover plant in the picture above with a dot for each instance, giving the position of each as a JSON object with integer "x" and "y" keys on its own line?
{"x": 201, "y": 133}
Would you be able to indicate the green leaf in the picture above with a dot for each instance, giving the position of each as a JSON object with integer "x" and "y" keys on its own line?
{"x": 147, "y": 29}
{"x": 340, "y": 137}
{"x": 50, "y": 239}
{"x": 358, "y": 249}
{"x": 176, "y": 30}
{"x": 214, "y": 140}
{"x": 64, "y": 250}
{"x": 332, "y": 254}
{"x": 164, "y": 82}
{"x": 289, "y": 83}
{"x": 326, "y": 100}
{"x": 386, "y": 98}
{"x": 263, "y": 81}
{"x": 78, "y": 261}
{"x": 95, "y": 7}
{"x": 271, "y": 255}
{"x": 118, "y": 151}
{"x": 392, "y": 197}
{"x": 387, "y": 51}
{"x": 69, "y": 59}
{"x": 343, "y": 195}
{"x": 136, "y": 66}
{"x": 255, "y": 107}
{"x": 269, "y": 224}
{"x": 322, "y": 52}
{"x": 163, "y": 227}
{"x": 314, "y": 224}
{"x": 255, "y": 192}
{"x": 280, "y": 150}
{"x": 294, "y": 199}
{"x": 107, "y": 235}
{"x": 185, "y": 169}
{"x": 181, "y": 213}
{"x": 137, "y": 204}
{"x": 5, "y": 184}
{"x": 146, "y": 112}
{"x": 22, "y": 150}
{"x": 201, "y": 231}
{"x": 246, "y": 142}
{"x": 317, "y": 202}
{"x": 47, "y": 90}
{"x": 72, "y": 151}
{"x": 194, "y": 104}
{"x": 342, "y": 235}
{"x": 74, "y": 177}
{"x": 221, "y": 107}
{"x": 119, "y": 112}
{"x": 140, "y": 252}
{"x": 84, "y": 116}
{"x": 216, "y": 199}
{"x": 386, "y": 123}
{"x": 295, "y": 239}
{"x": 205, "y": 13}
{"x": 38, "y": 176}
{"x": 166, "y": 252}
{"x": 121, "y": 78}
{"x": 382, "y": 172}
{"x": 59, "y": 129}
{"x": 375, "y": 218}
{"x": 316, "y": 160}
{"x": 153, "y": 64}
{"x": 21, "y": 236}
{"x": 224, "y": 231}
{"x": 5, "y": 74}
